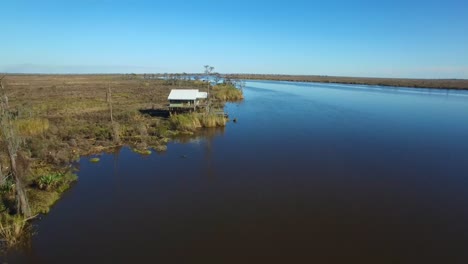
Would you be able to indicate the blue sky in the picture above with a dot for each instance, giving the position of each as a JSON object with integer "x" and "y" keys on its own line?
{"x": 426, "y": 39}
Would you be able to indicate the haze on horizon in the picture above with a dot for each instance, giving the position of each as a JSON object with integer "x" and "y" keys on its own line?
{"x": 408, "y": 39}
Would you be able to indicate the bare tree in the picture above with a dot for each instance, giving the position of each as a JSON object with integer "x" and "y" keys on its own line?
{"x": 109, "y": 102}
{"x": 208, "y": 71}
{"x": 115, "y": 125}
{"x": 2, "y": 176}
{"x": 12, "y": 142}
{"x": 216, "y": 78}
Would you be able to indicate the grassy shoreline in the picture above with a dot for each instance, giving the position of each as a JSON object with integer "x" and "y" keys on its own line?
{"x": 453, "y": 84}
{"x": 61, "y": 118}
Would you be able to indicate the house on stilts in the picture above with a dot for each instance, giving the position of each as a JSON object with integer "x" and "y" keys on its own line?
{"x": 186, "y": 99}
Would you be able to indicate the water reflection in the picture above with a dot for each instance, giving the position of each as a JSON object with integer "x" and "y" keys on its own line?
{"x": 200, "y": 136}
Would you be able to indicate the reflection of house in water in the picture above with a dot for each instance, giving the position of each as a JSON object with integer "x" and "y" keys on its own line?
{"x": 186, "y": 99}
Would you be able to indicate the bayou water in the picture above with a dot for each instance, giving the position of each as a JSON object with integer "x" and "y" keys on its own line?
{"x": 309, "y": 173}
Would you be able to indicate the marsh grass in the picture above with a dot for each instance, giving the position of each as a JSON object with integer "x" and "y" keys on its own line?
{"x": 11, "y": 229}
{"x": 142, "y": 151}
{"x": 63, "y": 117}
{"x": 8, "y": 187}
{"x": 32, "y": 126}
{"x": 56, "y": 181}
{"x": 227, "y": 93}
{"x": 48, "y": 190}
{"x": 185, "y": 122}
{"x": 190, "y": 122}
{"x": 213, "y": 120}
{"x": 94, "y": 160}
{"x": 41, "y": 200}
{"x": 47, "y": 182}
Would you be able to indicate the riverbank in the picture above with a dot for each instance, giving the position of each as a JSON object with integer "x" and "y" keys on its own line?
{"x": 60, "y": 118}
{"x": 456, "y": 84}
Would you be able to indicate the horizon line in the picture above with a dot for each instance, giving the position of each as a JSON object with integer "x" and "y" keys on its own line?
{"x": 259, "y": 74}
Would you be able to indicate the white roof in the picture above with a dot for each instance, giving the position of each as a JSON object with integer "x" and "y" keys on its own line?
{"x": 186, "y": 94}
{"x": 202, "y": 95}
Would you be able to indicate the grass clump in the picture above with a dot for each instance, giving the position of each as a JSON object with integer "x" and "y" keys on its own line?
{"x": 47, "y": 182}
{"x": 56, "y": 181}
{"x": 49, "y": 186}
{"x": 8, "y": 187}
{"x": 189, "y": 122}
{"x": 11, "y": 228}
{"x": 142, "y": 151}
{"x": 185, "y": 122}
{"x": 227, "y": 93}
{"x": 32, "y": 126}
{"x": 41, "y": 201}
{"x": 213, "y": 120}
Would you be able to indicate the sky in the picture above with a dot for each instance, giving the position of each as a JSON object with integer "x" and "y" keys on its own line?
{"x": 407, "y": 39}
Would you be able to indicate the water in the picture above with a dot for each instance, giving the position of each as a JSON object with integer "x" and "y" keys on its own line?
{"x": 310, "y": 173}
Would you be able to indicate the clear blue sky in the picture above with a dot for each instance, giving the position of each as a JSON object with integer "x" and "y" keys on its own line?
{"x": 427, "y": 39}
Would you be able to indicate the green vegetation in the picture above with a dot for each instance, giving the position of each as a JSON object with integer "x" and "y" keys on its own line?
{"x": 142, "y": 151}
{"x": 55, "y": 181}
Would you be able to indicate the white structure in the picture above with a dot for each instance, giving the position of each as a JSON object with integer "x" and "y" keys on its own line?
{"x": 185, "y": 98}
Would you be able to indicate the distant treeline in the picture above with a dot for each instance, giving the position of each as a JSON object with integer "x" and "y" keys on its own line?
{"x": 461, "y": 84}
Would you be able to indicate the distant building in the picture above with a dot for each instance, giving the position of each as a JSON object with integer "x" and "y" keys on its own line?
{"x": 186, "y": 99}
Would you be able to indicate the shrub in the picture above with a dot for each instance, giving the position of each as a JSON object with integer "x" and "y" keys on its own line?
{"x": 8, "y": 187}
{"x": 48, "y": 182}
{"x": 56, "y": 181}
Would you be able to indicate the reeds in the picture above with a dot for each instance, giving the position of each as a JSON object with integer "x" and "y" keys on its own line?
{"x": 185, "y": 122}
{"x": 227, "y": 93}
{"x": 191, "y": 121}
{"x": 213, "y": 120}
{"x": 11, "y": 229}
{"x": 32, "y": 126}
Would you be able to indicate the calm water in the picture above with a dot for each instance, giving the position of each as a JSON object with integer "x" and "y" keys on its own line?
{"x": 311, "y": 173}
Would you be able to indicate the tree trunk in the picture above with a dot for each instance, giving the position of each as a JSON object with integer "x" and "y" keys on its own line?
{"x": 12, "y": 142}
{"x": 115, "y": 126}
{"x": 109, "y": 102}
{"x": 22, "y": 204}
{"x": 2, "y": 176}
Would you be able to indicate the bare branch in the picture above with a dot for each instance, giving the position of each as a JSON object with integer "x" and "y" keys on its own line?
{"x": 1, "y": 81}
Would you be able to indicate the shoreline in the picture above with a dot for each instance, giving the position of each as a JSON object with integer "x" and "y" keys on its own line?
{"x": 444, "y": 84}
{"x": 62, "y": 119}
